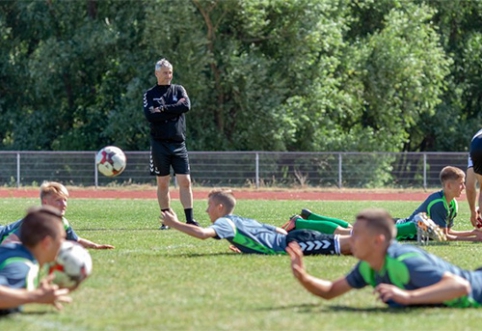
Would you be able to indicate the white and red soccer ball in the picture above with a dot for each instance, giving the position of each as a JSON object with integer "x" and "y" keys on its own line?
{"x": 110, "y": 161}
{"x": 72, "y": 265}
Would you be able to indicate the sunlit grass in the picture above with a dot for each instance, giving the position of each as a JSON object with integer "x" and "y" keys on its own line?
{"x": 165, "y": 280}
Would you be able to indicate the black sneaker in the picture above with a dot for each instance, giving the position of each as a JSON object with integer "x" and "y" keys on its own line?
{"x": 164, "y": 227}
{"x": 193, "y": 222}
{"x": 305, "y": 213}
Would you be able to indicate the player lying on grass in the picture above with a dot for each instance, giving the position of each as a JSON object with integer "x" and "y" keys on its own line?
{"x": 249, "y": 236}
{"x": 51, "y": 194}
{"x": 330, "y": 225}
{"x": 402, "y": 275}
{"x": 42, "y": 234}
{"x": 440, "y": 209}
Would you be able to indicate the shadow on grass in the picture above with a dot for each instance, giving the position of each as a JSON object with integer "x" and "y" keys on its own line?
{"x": 113, "y": 229}
{"x": 320, "y": 308}
{"x": 189, "y": 255}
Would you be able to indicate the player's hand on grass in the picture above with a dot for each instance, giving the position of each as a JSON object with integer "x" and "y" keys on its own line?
{"x": 169, "y": 217}
{"x": 234, "y": 249}
{"x": 296, "y": 256}
{"x": 50, "y": 293}
{"x": 104, "y": 246}
{"x": 387, "y": 292}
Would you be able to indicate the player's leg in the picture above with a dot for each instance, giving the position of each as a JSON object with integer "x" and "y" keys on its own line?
{"x": 345, "y": 246}
{"x": 406, "y": 231}
{"x": 160, "y": 167}
{"x": 180, "y": 164}
{"x": 315, "y": 243}
{"x": 310, "y": 216}
{"x": 321, "y": 226}
{"x": 471, "y": 194}
{"x": 474, "y": 175}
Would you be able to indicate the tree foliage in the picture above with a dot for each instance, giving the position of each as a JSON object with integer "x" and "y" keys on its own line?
{"x": 305, "y": 75}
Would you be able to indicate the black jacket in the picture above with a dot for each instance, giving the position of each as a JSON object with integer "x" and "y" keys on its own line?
{"x": 168, "y": 123}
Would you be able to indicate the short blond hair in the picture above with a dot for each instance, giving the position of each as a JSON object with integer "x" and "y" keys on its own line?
{"x": 451, "y": 173}
{"x": 51, "y": 188}
{"x": 224, "y": 197}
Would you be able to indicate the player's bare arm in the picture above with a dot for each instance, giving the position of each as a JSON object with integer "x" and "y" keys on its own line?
{"x": 47, "y": 293}
{"x": 90, "y": 244}
{"x": 470, "y": 235}
{"x": 170, "y": 219}
{"x": 282, "y": 231}
{"x": 448, "y": 288}
{"x": 319, "y": 287}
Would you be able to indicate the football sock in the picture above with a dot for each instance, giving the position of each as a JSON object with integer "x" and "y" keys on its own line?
{"x": 317, "y": 217}
{"x": 406, "y": 230}
{"x": 320, "y": 226}
{"x": 188, "y": 213}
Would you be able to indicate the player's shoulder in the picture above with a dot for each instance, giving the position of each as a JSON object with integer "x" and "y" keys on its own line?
{"x": 14, "y": 250}
{"x": 397, "y": 250}
{"x": 437, "y": 195}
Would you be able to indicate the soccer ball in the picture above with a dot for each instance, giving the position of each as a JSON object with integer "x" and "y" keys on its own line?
{"x": 111, "y": 161}
{"x": 72, "y": 265}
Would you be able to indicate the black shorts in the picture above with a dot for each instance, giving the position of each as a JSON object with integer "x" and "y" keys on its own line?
{"x": 476, "y": 154}
{"x": 314, "y": 243}
{"x": 166, "y": 154}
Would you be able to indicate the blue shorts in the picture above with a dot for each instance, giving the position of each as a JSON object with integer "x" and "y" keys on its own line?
{"x": 166, "y": 154}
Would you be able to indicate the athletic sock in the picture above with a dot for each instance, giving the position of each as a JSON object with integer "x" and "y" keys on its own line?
{"x": 320, "y": 226}
{"x": 406, "y": 230}
{"x": 337, "y": 221}
{"x": 188, "y": 213}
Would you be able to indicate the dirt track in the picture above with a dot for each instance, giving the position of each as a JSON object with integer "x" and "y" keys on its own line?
{"x": 150, "y": 193}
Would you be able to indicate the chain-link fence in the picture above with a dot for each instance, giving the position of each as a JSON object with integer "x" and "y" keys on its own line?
{"x": 241, "y": 169}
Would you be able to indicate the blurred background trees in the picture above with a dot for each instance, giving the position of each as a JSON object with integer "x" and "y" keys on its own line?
{"x": 291, "y": 75}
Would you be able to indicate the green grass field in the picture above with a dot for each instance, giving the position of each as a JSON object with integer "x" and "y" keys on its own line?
{"x": 165, "y": 280}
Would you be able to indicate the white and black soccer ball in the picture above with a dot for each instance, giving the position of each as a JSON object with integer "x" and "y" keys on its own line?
{"x": 72, "y": 266}
{"x": 111, "y": 161}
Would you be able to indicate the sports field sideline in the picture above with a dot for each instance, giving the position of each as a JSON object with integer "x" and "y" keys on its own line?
{"x": 241, "y": 193}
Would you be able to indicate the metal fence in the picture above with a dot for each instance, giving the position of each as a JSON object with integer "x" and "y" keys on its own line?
{"x": 241, "y": 169}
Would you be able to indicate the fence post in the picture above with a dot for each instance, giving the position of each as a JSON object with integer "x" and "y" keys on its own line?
{"x": 424, "y": 171}
{"x": 96, "y": 173}
{"x": 340, "y": 176}
{"x": 257, "y": 169}
{"x": 18, "y": 170}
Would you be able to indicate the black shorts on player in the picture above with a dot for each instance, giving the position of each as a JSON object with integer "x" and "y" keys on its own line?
{"x": 314, "y": 243}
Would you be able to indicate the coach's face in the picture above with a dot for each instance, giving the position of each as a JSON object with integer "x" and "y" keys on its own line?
{"x": 164, "y": 76}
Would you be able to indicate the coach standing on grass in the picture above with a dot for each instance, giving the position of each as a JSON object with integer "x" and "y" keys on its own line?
{"x": 165, "y": 106}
